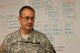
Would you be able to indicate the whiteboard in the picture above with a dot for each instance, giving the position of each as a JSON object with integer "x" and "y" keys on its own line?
{"x": 58, "y": 19}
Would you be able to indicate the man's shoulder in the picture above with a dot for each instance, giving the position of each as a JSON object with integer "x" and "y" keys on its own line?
{"x": 15, "y": 32}
{"x": 12, "y": 34}
{"x": 40, "y": 34}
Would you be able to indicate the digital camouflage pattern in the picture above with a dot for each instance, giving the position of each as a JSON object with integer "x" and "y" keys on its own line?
{"x": 37, "y": 42}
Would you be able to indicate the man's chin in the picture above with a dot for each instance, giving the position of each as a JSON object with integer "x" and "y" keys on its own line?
{"x": 28, "y": 28}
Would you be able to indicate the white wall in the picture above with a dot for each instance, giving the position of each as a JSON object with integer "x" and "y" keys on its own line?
{"x": 58, "y": 19}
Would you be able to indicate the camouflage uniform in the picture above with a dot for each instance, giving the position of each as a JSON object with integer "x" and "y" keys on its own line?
{"x": 37, "y": 42}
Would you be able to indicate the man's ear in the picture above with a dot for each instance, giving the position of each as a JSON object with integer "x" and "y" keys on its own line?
{"x": 19, "y": 18}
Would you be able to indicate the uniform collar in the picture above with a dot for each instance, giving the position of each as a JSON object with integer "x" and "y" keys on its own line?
{"x": 30, "y": 38}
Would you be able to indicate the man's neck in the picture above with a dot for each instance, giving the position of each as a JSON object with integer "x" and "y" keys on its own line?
{"x": 24, "y": 31}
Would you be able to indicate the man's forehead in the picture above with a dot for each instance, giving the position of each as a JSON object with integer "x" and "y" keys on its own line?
{"x": 28, "y": 12}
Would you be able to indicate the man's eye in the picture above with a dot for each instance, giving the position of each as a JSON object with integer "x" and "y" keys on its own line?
{"x": 27, "y": 17}
{"x": 32, "y": 17}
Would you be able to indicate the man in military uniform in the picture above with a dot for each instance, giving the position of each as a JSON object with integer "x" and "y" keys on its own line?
{"x": 26, "y": 39}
